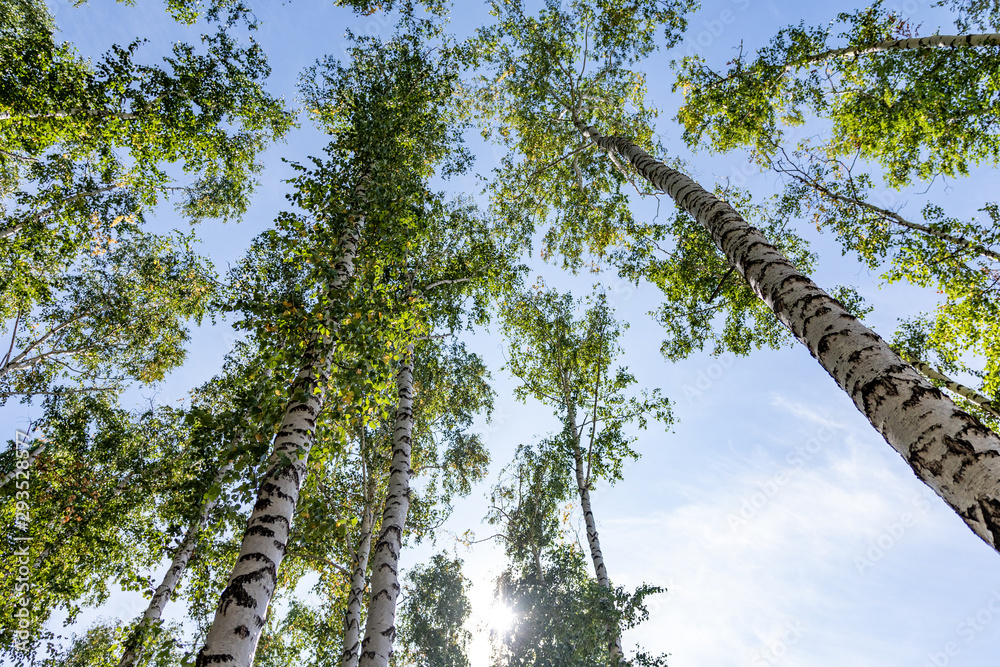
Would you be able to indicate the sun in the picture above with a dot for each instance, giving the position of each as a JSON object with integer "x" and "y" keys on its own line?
{"x": 501, "y": 618}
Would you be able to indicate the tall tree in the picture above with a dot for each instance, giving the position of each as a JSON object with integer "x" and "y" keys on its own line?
{"x": 560, "y": 615}
{"x": 389, "y": 114}
{"x": 948, "y": 449}
{"x": 431, "y": 633}
{"x": 567, "y": 362}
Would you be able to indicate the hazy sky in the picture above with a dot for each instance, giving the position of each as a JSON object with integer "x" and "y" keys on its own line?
{"x": 786, "y": 530}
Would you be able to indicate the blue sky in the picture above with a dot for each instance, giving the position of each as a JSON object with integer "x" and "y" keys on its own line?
{"x": 786, "y": 530}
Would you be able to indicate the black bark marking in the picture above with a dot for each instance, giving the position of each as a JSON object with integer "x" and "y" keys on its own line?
{"x": 212, "y": 659}
{"x": 242, "y": 631}
{"x": 990, "y": 508}
{"x": 262, "y": 504}
{"x": 263, "y": 531}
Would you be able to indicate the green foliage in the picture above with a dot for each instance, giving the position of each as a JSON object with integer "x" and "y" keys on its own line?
{"x": 118, "y": 317}
{"x": 99, "y": 510}
{"x": 101, "y": 646}
{"x": 432, "y": 614}
{"x": 545, "y": 72}
{"x": 896, "y": 107}
{"x": 562, "y": 617}
{"x": 525, "y": 503}
{"x": 205, "y": 109}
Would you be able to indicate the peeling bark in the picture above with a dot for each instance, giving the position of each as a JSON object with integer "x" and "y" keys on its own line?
{"x": 380, "y": 628}
{"x": 152, "y": 616}
{"x": 239, "y": 618}
{"x": 948, "y": 449}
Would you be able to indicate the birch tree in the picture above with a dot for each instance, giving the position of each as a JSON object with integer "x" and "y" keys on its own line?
{"x": 567, "y": 362}
{"x": 918, "y": 106}
{"x": 453, "y": 260}
{"x": 389, "y": 97}
{"x": 560, "y": 615}
{"x": 951, "y": 451}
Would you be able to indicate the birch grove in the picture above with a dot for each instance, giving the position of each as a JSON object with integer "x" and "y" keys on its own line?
{"x": 378, "y": 358}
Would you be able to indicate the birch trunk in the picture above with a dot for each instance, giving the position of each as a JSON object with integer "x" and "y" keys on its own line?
{"x": 151, "y": 617}
{"x": 352, "y": 617}
{"x": 960, "y": 389}
{"x": 380, "y": 628}
{"x": 894, "y": 217}
{"x": 239, "y": 618}
{"x": 950, "y": 41}
{"x": 948, "y": 449}
{"x": 594, "y": 542}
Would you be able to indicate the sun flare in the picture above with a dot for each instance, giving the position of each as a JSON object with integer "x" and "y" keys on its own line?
{"x": 501, "y": 618}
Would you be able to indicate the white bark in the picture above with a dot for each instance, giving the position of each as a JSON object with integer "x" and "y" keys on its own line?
{"x": 951, "y": 41}
{"x": 948, "y": 449}
{"x": 960, "y": 389}
{"x": 239, "y": 618}
{"x": 594, "y": 542}
{"x": 380, "y": 628}
{"x": 896, "y": 218}
{"x": 352, "y": 616}
{"x": 151, "y": 617}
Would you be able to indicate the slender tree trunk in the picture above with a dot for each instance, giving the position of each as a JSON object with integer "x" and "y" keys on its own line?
{"x": 948, "y": 449}
{"x": 380, "y": 628}
{"x": 239, "y": 618}
{"x": 960, "y": 389}
{"x": 352, "y": 616}
{"x": 151, "y": 617}
{"x": 897, "y": 219}
{"x": 594, "y": 542}
{"x": 951, "y": 41}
